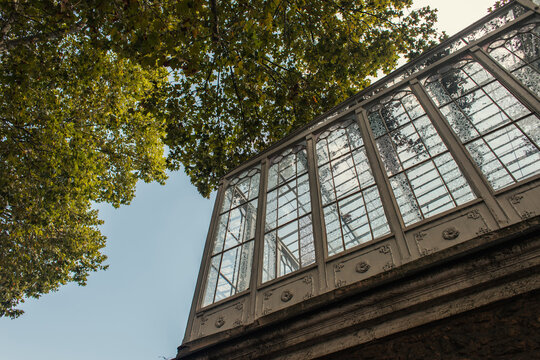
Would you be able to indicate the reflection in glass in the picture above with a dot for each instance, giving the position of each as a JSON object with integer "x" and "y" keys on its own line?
{"x": 518, "y": 51}
{"x": 352, "y": 208}
{"x": 288, "y": 240}
{"x": 424, "y": 177}
{"x": 499, "y": 132}
{"x": 232, "y": 252}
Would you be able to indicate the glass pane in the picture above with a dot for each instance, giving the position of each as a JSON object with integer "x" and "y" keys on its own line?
{"x": 288, "y": 243}
{"x": 454, "y": 179}
{"x": 405, "y": 198}
{"x": 221, "y": 232}
{"x": 345, "y": 177}
{"x": 429, "y": 189}
{"x": 269, "y": 257}
{"x": 515, "y": 151}
{"x": 212, "y": 281}
{"x": 518, "y": 52}
{"x": 230, "y": 267}
{"x": 307, "y": 247}
{"x": 354, "y": 221}
{"x": 246, "y": 258}
{"x": 287, "y": 247}
{"x": 377, "y": 218}
{"x": 333, "y": 230}
{"x": 492, "y": 168}
{"x": 484, "y": 118}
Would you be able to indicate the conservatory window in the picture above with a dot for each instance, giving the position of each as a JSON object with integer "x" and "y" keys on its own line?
{"x": 288, "y": 239}
{"x": 424, "y": 177}
{"x": 232, "y": 254}
{"x": 500, "y": 133}
{"x": 353, "y": 212}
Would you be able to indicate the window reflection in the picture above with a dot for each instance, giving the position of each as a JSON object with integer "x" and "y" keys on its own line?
{"x": 424, "y": 177}
{"x": 499, "y": 132}
{"x": 518, "y": 51}
{"x": 288, "y": 239}
{"x": 232, "y": 252}
{"x": 352, "y": 208}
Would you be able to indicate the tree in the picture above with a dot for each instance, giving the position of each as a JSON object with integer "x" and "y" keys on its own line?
{"x": 91, "y": 91}
{"x": 77, "y": 127}
{"x": 272, "y": 66}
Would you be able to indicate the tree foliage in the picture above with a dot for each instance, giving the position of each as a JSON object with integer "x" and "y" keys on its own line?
{"x": 92, "y": 90}
{"x": 272, "y": 66}
{"x": 76, "y": 126}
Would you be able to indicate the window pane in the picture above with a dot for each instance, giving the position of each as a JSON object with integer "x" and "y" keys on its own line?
{"x": 288, "y": 244}
{"x": 484, "y": 117}
{"x": 519, "y": 52}
{"x": 230, "y": 267}
{"x": 347, "y": 178}
{"x": 414, "y": 155}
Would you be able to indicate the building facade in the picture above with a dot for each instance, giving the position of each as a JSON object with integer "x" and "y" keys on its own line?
{"x": 394, "y": 222}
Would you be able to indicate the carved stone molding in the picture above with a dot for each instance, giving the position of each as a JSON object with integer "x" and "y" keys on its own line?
{"x": 238, "y": 322}
{"x": 340, "y": 283}
{"x": 220, "y": 321}
{"x": 239, "y": 306}
{"x": 389, "y": 266}
{"x": 308, "y": 279}
{"x": 527, "y": 214}
{"x": 362, "y": 267}
{"x": 475, "y": 214}
{"x": 268, "y": 294}
{"x": 338, "y": 267}
{"x": 419, "y": 236}
{"x": 385, "y": 249}
{"x": 286, "y": 295}
{"x": 450, "y": 233}
{"x": 516, "y": 199}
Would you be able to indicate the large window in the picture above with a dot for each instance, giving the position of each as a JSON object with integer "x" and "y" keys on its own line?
{"x": 424, "y": 177}
{"x": 353, "y": 213}
{"x": 500, "y": 133}
{"x": 232, "y": 253}
{"x": 519, "y": 52}
{"x": 288, "y": 239}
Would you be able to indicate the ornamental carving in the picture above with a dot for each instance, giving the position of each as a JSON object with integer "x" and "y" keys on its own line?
{"x": 389, "y": 266}
{"x": 220, "y": 322}
{"x": 384, "y": 249}
{"x": 268, "y": 294}
{"x": 239, "y": 306}
{"x": 475, "y": 214}
{"x": 527, "y": 215}
{"x": 450, "y": 233}
{"x": 338, "y": 267}
{"x": 308, "y": 280}
{"x": 362, "y": 267}
{"x": 286, "y": 295}
{"x": 237, "y": 322}
{"x": 341, "y": 283}
{"x": 516, "y": 199}
{"x": 419, "y": 236}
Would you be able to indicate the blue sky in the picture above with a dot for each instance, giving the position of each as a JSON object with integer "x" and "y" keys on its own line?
{"x": 138, "y": 308}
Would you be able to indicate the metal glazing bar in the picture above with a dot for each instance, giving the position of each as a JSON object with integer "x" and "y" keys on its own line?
{"x": 258, "y": 244}
{"x": 205, "y": 263}
{"x": 507, "y": 80}
{"x": 388, "y": 201}
{"x": 319, "y": 236}
{"x": 468, "y": 168}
